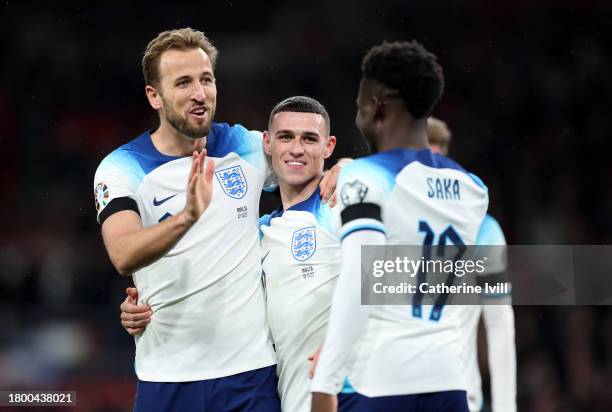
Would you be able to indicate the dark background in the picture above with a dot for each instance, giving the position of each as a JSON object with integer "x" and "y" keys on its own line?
{"x": 527, "y": 97}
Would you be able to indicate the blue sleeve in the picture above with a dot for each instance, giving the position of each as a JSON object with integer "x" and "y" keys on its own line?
{"x": 490, "y": 232}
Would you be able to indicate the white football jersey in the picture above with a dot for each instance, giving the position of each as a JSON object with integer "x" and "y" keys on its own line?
{"x": 301, "y": 261}
{"x": 206, "y": 293}
{"x": 490, "y": 234}
{"x": 424, "y": 198}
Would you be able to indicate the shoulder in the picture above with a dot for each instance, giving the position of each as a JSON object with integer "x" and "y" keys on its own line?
{"x": 377, "y": 173}
{"x": 383, "y": 167}
{"x": 363, "y": 176}
{"x": 371, "y": 167}
{"x": 124, "y": 159}
{"x": 224, "y": 139}
{"x": 329, "y": 219}
{"x": 490, "y": 232}
{"x": 137, "y": 157}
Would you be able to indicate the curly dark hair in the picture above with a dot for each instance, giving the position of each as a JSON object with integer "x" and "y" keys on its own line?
{"x": 302, "y": 104}
{"x": 411, "y": 70}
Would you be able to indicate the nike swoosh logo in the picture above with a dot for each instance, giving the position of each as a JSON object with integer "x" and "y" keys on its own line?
{"x": 159, "y": 202}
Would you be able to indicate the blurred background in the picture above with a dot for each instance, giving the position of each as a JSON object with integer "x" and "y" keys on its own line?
{"x": 527, "y": 98}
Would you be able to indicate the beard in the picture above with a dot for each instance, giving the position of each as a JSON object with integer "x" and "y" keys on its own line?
{"x": 181, "y": 121}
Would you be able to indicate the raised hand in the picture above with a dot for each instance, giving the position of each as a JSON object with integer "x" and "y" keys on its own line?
{"x": 199, "y": 188}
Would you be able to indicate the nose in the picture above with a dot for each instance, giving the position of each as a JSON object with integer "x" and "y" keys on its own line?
{"x": 198, "y": 93}
{"x": 296, "y": 148}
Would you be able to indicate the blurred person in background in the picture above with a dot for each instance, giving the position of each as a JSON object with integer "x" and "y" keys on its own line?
{"x": 496, "y": 310}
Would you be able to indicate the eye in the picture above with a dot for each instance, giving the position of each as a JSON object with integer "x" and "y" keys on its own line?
{"x": 182, "y": 83}
{"x": 284, "y": 137}
{"x": 208, "y": 80}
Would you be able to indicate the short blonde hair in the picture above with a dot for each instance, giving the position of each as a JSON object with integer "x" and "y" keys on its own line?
{"x": 180, "y": 39}
{"x": 438, "y": 132}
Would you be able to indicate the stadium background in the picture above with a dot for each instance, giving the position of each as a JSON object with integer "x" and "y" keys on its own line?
{"x": 527, "y": 97}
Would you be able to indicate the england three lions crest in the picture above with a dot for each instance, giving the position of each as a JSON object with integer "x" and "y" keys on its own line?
{"x": 233, "y": 181}
{"x": 304, "y": 243}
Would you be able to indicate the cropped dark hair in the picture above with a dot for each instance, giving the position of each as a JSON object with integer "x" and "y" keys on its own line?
{"x": 301, "y": 104}
{"x": 411, "y": 70}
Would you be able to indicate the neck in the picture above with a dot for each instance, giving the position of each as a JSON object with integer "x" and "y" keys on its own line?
{"x": 405, "y": 132}
{"x": 294, "y": 194}
{"x": 169, "y": 141}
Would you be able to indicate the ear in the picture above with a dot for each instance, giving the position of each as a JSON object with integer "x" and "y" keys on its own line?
{"x": 267, "y": 143}
{"x": 153, "y": 96}
{"x": 378, "y": 108}
{"x": 329, "y": 147}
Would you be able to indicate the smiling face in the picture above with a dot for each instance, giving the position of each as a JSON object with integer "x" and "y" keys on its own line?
{"x": 187, "y": 94}
{"x": 298, "y": 144}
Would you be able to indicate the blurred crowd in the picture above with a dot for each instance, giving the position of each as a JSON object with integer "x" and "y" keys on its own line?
{"x": 527, "y": 98}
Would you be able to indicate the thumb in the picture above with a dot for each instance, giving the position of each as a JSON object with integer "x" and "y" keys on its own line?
{"x": 132, "y": 292}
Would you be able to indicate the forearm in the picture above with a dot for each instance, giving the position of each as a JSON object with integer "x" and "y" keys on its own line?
{"x": 348, "y": 317}
{"x": 499, "y": 326}
{"x": 137, "y": 248}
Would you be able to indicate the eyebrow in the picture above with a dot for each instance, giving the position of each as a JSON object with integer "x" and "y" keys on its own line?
{"x": 185, "y": 77}
{"x": 291, "y": 132}
{"x": 188, "y": 77}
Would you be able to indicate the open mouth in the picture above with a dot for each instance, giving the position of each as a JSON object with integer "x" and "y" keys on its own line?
{"x": 295, "y": 164}
{"x": 198, "y": 112}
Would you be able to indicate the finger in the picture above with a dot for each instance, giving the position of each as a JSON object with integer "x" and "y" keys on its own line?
{"x": 134, "y": 331}
{"x": 127, "y": 304}
{"x": 201, "y": 161}
{"x": 194, "y": 165}
{"x": 330, "y": 184}
{"x": 140, "y": 323}
{"x": 328, "y": 193}
{"x": 333, "y": 200}
{"x": 130, "y": 306}
{"x": 127, "y": 323}
{"x": 323, "y": 186}
{"x": 201, "y": 157}
{"x": 311, "y": 370}
{"x": 210, "y": 171}
{"x": 136, "y": 316}
{"x": 193, "y": 185}
{"x": 132, "y": 311}
{"x": 132, "y": 292}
